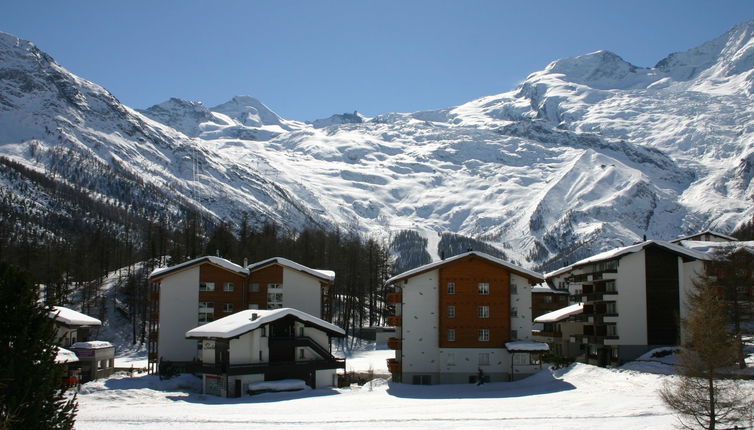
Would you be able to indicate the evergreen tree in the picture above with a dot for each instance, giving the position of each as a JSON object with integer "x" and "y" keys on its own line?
{"x": 31, "y": 396}
{"x": 703, "y": 395}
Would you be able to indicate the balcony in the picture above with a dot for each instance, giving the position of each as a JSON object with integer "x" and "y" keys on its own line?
{"x": 393, "y": 366}
{"x": 394, "y": 298}
{"x": 394, "y": 343}
{"x": 394, "y": 321}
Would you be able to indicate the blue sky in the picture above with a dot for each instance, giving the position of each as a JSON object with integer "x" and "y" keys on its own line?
{"x": 310, "y": 59}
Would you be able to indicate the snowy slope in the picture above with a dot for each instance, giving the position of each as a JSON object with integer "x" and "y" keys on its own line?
{"x": 589, "y": 153}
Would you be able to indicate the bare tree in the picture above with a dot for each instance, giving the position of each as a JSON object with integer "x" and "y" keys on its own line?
{"x": 703, "y": 395}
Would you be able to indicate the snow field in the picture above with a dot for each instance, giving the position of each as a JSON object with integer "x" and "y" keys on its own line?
{"x": 580, "y": 396}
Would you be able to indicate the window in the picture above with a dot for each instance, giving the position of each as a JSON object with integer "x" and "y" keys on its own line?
{"x": 548, "y": 299}
{"x": 422, "y": 380}
{"x": 484, "y": 358}
{"x": 451, "y": 311}
{"x": 484, "y": 312}
{"x": 611, "y": 330}
{"x": 228, "y": 286}
{"x": 610, "y": 286}
{"x": 206, "y": 311}
{"x": 514, "y": 311}
{"x": 301, "y": 354}
{"x": 260, "y": 356}
{"x": 253, "y": 306}
{"x": 484, "y": 288}
{"x": 514, "y": 289}
{"x": 274, "y": 296}
{"x": 451, "y": 287}
{"x": 610, "y": 308}
{"x": 451, "y": 335}
{"x": 228, "y": 307}
{"x": 301, "y": 331}
{"x": 206, "y": 286}
{"x": 514, "y": 334}
{"x": 264, "y": 331}
{"x": 254, "y": 288}
{"x": 484, "y": 335}
{"x": 451, "y": 359}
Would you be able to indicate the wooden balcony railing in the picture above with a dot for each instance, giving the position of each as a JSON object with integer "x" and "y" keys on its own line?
{"x": 394, "y": 343}
{"x": 394, "y": 298}
{"x": 394, "y": 321}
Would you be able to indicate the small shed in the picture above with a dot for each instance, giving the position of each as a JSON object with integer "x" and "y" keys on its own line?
{"x": 97, "y": 359}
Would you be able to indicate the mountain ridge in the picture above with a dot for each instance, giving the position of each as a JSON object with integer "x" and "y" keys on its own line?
{"x": 588, "y": 153}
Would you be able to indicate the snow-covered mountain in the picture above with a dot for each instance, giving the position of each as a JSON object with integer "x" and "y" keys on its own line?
{"x": 590, "y": 152}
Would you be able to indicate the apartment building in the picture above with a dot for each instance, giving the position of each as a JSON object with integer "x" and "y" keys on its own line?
{"x": 204, "y": 289}
{"x": 461, "y": 319}
{"x": 633, "y": 297}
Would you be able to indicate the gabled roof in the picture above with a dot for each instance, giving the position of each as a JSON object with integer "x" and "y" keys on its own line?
{"x": 619, "y": 252}
{"x": 245, "y": 321}
{"x": 325, "y": 275}
{"x": 709, "y": 232}
{"x": 532, "y": 276}
{"x": 560, "y": 314}
{"x": 710, "y": 248}
{"x": 72, "y": 318}
{"x": 217, "y": 261}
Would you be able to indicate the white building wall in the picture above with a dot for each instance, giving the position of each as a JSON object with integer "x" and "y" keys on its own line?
{"x": 631, "y": 301}
{"x": 521, "y": 300}
{"x": 179, "y": 313}
{"x": 241, "y": 349}
{"x": 302, "y": 292}
{"x": 420, "y": 352}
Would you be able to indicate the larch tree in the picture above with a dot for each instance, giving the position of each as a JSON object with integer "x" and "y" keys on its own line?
{"x": 705, "y": 395}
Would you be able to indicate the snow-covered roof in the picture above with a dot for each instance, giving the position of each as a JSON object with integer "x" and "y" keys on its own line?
{"x": 710, "y": 248}
{"x": 526, "y": 346}
{"x": 618, "y": 252}
{"x": 560, "y": 314}
{"x": 72, "y": 318}
{"x": 92, "y": 344}
{"x": 431, "y": 266}
{"x": 327, "y": 275}
{"x": 709, "y": 232}
{"x": 245, "y": 321}
{"x": 544, "y": 288}
{"x": 65, "y": 356}
{"x": 210, "y": 259}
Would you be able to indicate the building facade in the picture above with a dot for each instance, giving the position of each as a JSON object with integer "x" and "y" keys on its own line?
{"x": 266, "y": 345}
{"x": 202, "y": 290}
{"x": 634, "y": 298}
{"x": 454, "y": 317}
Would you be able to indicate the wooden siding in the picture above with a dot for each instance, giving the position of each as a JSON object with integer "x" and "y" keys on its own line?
{"x": 269, "y": 275}
{"x": 219, "y": 297}
{"x": 540, "y": 307}
{"x": 663, "y": 305}
{"x": 467, "y": 273}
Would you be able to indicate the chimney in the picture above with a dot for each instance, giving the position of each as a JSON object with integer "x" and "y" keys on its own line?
{"x": 254, "y": 316}
{"x": 442, "y": 255}
{"x": 245, "y": 262}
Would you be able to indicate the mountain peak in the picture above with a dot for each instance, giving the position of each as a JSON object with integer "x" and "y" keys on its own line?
{"x": 182, "y": 115}
{"x": 601, "y": 69}
{"x": 249, "y": 111}
{"x": 730, "y": 54}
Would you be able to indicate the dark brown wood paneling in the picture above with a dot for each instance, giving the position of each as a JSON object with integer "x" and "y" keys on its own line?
{"x": 267, "y": 275}
{"x": 662, "y": 293}
{"x": 467, "y": 273}
{"x": 218, "y": 275}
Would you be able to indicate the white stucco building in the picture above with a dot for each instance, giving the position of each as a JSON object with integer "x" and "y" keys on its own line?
{"x": 266, "y": 345}
{"x": 462, "y": 318}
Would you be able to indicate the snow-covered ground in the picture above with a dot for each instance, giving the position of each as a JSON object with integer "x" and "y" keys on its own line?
{"x": 581, "y": 396}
